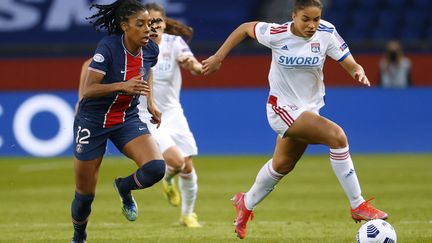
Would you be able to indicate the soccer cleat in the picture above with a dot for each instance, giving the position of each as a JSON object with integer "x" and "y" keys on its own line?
{"x": 190, "y": 221}
{"x": 171, "y": 192}
{"x": 366, "y": 211}
{"x": 130, "y": 207}
{"x": 242, "y": 215}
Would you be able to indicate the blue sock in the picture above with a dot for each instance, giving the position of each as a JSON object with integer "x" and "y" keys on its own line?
{"x": 81, "y": 208}
{"x": 144, "y": 177}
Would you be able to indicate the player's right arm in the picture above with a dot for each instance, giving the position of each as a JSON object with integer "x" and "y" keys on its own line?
{"x": 214, "y": 62}
{"x": 94, "y": 88}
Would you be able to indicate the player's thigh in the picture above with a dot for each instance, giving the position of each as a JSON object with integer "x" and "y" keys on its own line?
{"x": 142, "y": 149}
{"x": 281, "y": 117}
{"x": 182, "y": 136}
{"x": 89, "y": 139}
{"x": 86, "y": 175}
{"x": 173, "y": 157}
{"x": 312, "y": 128}
{"x": 133, "y": 139}
{"x": 163, "y": 139}
{"x": 287, "y": 153}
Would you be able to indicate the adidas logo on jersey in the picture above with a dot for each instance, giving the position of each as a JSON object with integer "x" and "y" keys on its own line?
{"x": 285, "y": 47}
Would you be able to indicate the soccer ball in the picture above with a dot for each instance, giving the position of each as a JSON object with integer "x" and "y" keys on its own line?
{"x": 376, "y": 231}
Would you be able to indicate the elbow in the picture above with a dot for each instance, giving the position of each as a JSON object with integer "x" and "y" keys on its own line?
{"x": 86, "y": 94}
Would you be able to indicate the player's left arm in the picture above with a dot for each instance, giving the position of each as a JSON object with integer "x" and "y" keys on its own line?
{"x": 213, "y": 63}
{"x": 151, "y": 106}
{"x": 355, "y": 70}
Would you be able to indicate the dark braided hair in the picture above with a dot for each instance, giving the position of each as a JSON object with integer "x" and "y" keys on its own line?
{"x": 302, "y": 4}
{"x": 173, "y": 26}
{"x": 110, "y": 16}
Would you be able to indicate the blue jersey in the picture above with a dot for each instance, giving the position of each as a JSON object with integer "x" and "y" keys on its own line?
{"x": 117, "y": 64}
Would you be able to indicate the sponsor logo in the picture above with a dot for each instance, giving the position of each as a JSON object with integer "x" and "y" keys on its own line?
{"x": 293, "y": 107}
{"x": 298, "y": 61}
{"x": 285, "y": 48}
{"x": 98, "y": 58}
{"x": 350, "y": 173}
{"x": 263, "y": 29}
{"x": 343, "y": 46}
{"x": 141, "y": 128}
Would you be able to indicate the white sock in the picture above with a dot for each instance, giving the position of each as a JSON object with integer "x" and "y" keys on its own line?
{"x": 344, "y": 169}
{"x": 265, "y": 182}
{"x": 188, "y": 185}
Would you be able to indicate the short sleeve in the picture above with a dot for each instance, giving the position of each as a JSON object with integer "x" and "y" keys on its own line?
{"x": 338, "y": 49}
{"x": 181, "y": 49}
{"x": 102, "y": 58}
{"x": 266, "y": 33}
{"x": 151, "y": 54}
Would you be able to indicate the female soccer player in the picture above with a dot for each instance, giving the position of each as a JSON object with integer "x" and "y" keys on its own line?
{"x": 118, "y": 74}
{"x": 299, "y": 49}
{"x": 175, "y": 140}
{"x": 174, "y": 137}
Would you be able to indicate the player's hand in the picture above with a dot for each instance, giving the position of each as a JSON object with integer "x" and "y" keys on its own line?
{"x": 136, "y": 86}
{"x": 211, "y": 64}
{"x": 191, "y": 64}
{"x": 361, "y": 77}
{"x": 156, "y": 114}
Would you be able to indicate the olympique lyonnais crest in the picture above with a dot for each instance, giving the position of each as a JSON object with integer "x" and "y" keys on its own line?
{"x": 315, "y": 47}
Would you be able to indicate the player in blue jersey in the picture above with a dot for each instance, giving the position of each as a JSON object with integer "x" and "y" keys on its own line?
{"x": 174, "y": 138}
{"x": 299, "y": 49}
{"x": 119, "y": 73}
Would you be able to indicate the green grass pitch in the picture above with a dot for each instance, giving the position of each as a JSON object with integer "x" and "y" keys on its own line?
{"x": 306, "y": 206}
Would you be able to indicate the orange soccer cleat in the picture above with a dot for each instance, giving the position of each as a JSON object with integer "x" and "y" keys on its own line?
{"x": 366, "y": 211}
{"x": 242, "y": 215}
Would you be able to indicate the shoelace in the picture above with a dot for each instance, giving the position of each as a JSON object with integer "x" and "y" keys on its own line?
{"x": 367, "y": 204}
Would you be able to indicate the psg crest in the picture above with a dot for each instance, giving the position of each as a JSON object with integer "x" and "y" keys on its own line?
{"x": 315, "y": 47}
{"x": 142, "y": 71}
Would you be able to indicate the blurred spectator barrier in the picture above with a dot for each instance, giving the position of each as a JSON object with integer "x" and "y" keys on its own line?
{"x": 231, "y": 121}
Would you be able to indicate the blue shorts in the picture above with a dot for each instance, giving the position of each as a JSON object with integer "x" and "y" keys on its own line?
{"x": 90, "y": 140}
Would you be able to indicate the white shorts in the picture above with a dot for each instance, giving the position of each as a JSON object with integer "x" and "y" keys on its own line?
{"x": 281, "y": 116}
{"x": 173, "y": 131}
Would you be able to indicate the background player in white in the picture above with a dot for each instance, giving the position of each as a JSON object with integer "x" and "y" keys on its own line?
{"x": 299, "y": 49}
{"x": 174, "y": 137}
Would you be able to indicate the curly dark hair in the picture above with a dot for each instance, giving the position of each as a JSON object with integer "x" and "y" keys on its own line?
{"x": 111, "y": 15}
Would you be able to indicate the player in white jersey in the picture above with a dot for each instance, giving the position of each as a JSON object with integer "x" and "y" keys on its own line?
{"x": 175, "y": 140}
{"x": 299, "y": 49}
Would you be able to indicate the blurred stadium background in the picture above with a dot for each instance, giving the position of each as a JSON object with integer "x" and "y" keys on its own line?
{"x": 44, "y": 42}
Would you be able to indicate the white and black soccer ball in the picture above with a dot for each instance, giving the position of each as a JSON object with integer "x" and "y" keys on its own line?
{"x": 376, "y": 231}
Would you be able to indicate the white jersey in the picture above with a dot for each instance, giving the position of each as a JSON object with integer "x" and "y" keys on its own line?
{"x": 296, "y": 71}
{"x": 167, "y": 79}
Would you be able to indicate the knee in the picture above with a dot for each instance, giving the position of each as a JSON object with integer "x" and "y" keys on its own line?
{"x": 188, "y": 167}
{"x": 338, "y": 139}
{"x": 154, "y": 170}
{"x": 176, "y": 162}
